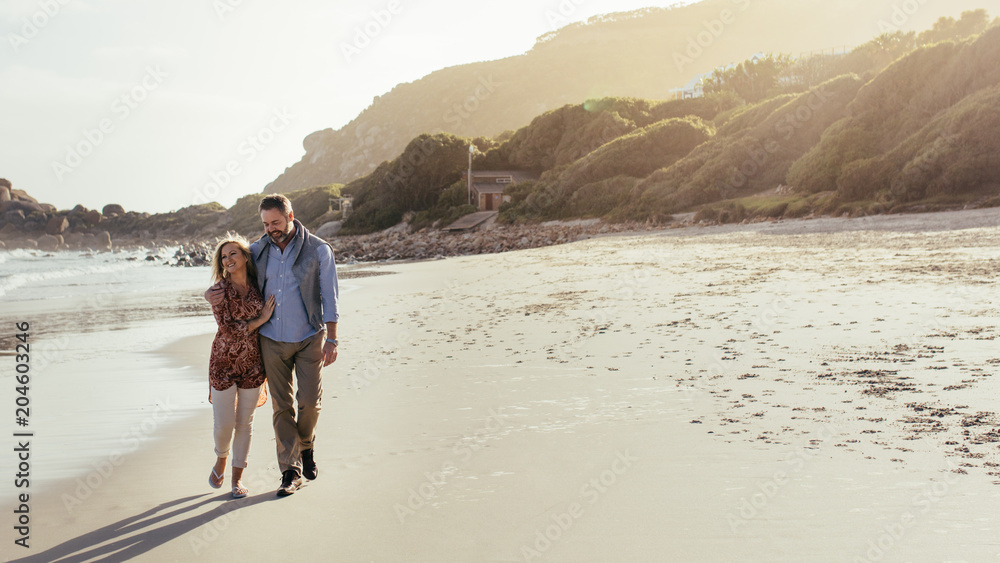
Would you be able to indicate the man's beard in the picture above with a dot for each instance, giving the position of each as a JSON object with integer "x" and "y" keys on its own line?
{"x": 279, "y": 237}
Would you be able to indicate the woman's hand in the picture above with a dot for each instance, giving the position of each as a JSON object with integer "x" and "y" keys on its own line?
{"x": 265, "y": 314}
{"x": 268, "y": 310}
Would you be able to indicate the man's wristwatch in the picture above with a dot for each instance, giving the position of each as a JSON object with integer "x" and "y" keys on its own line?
{"x": 332, "y": 341}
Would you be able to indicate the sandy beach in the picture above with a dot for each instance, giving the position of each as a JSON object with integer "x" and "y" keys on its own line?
{"x": 816, "y": 390}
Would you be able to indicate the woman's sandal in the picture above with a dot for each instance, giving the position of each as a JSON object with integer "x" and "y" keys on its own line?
{"x": 239, "y": 491}
{"x": 216, "y": 477}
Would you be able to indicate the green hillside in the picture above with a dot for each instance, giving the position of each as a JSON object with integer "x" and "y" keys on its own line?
{"x": 562, "y": 136}
{"x": 753, "y": 154}
{"x": 642, "y": 54}
{"x": 918, "y": 116}
{"x": 915, "y": 132}
{"x": 604, "y": 178}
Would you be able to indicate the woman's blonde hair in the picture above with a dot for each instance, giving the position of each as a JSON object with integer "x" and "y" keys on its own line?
{"x": 218, "y": 272}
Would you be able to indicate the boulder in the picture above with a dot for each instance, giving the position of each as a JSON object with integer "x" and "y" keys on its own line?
{"x": 17, "y": 204}
{"x": 48, "y": 208}
{"x": 4, "y": 194}
{"x": 49, "y": 243}
{"x": 79, "y": 210}
{"x": 15, "y": 217}
{"x": 103, "y": 240}
{"x": 93, "y": 218}
{"x": 6, "y": 183}
{"x": 73, "y": 240}
{"x": 57, "y": 226}
{"x": 329, "y": 230}
{"x": 112, "y": 209}
{"x": 9, "y": 232}
{"x": 21, "y": 195}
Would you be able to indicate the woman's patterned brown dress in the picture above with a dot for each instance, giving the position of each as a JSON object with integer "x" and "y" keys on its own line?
{"x": 235, "y": 355}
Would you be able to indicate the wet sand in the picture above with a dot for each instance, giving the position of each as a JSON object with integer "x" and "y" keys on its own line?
{"x": 800, "y": 391}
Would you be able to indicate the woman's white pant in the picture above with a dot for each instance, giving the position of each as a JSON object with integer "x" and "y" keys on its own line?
{"x": 234, "y": 410}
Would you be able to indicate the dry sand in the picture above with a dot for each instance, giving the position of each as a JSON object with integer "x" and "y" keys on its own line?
{"x": 803, "y": 391}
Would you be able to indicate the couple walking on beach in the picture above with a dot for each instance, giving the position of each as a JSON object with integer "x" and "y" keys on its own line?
{"x": 275, "y": 302}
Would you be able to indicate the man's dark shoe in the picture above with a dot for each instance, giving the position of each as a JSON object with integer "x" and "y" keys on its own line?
{"x": 309, "y": 470}
{"x": 290, "y": 482}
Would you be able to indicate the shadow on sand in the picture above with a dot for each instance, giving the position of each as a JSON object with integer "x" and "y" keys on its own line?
{"x": 139, "y": 534}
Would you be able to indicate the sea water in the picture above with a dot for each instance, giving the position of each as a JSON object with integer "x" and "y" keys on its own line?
{"x": 100, "y": 383}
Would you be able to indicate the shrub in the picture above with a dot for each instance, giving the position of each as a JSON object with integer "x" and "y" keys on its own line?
{"x": 752, "y": 153}
{"x": 923, "y": 128}
{"x": 600, "y": 198}
{"x": 412, "y": 182}
{"x": 562, "y": 136}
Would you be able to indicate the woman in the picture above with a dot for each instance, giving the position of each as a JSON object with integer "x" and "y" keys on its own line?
{"x": 235, "y": 370}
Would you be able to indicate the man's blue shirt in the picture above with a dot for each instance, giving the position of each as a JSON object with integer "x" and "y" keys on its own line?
{"x": 290, "y": 322}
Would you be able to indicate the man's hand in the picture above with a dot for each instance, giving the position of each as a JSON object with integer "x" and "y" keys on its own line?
{"x": 215, "y": 294}
{"x": 329, "y": 353}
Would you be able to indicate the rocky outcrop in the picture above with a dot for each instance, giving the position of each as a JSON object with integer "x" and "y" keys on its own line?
{"x": 397, "y": 244}
{"x": 27, "y": 223}
{"x": 22, "y": 218}
{"x": 18, "y": 204}
{"x": 197, "y": 254}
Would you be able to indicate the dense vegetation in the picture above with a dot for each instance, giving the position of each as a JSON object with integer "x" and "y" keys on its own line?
{"x": 560, "y": 137}
{"x": 415, "y": 181}
{"x": 905, "y": 121}
{"x": 640, "y": 54}
{"x": 751, "y": 80}
{"x": 754, "y": 154}
{"x": 603, "y": 179}
{"x": 916, "y": 134}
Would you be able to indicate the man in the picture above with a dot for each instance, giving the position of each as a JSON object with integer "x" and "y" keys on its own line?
{"x": 299, "y": 270}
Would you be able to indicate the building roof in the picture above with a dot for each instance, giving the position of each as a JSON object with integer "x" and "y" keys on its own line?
{"x": 516, "y": 176}
{"x": 485, "y": 181}
{"x": 489, "y": 188}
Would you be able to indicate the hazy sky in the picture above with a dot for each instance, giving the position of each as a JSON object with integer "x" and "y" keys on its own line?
{"x": 143, "y": 103}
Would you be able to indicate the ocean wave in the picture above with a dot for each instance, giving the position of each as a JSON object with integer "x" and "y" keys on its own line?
{"x": 18, "y": 253}
{"x": 14, "y": 280}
